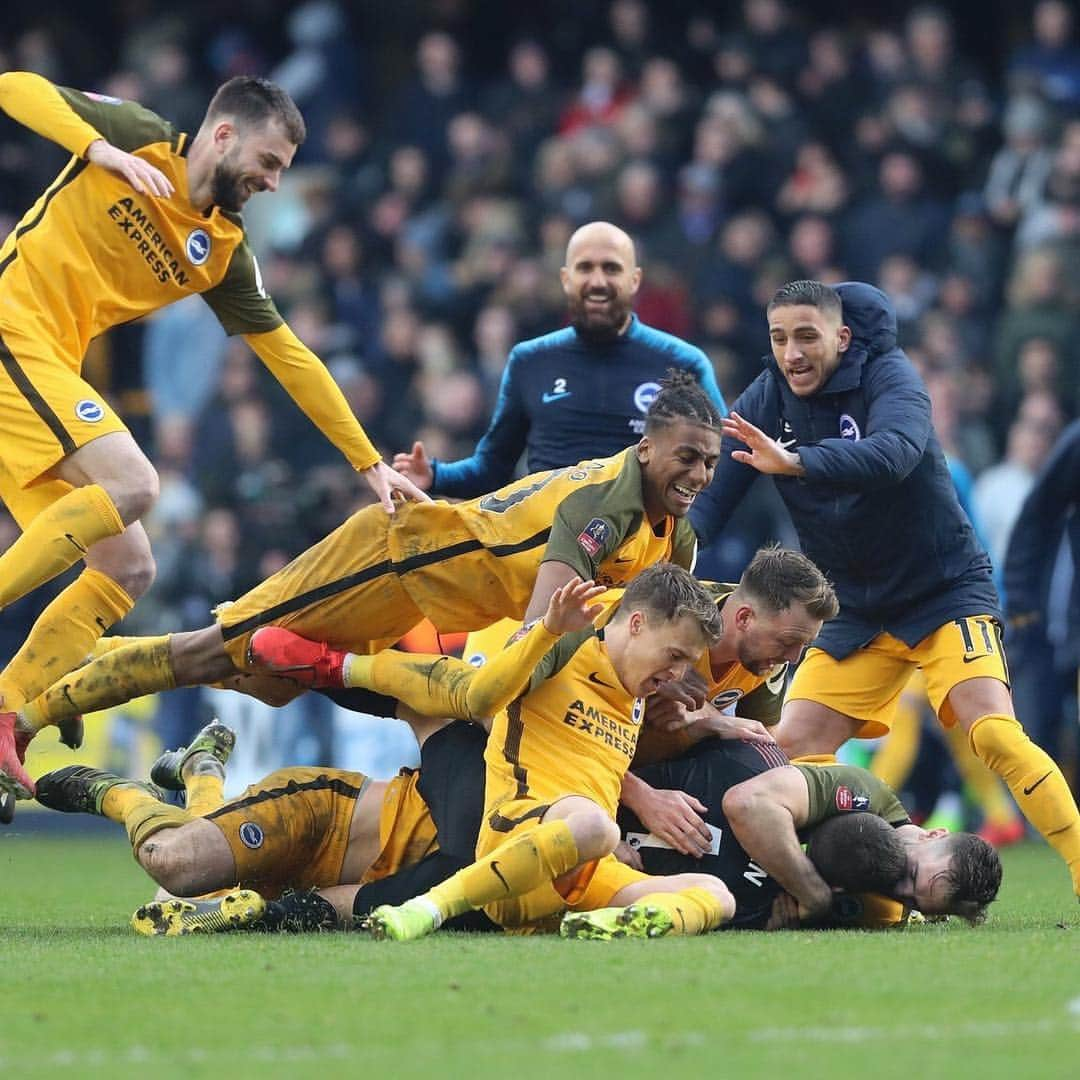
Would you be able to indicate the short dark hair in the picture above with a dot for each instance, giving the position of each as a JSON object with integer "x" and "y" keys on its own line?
{"x": 681, "y": 398}
{"x": 252, "y": 102}
{"x": 973, "y": 876}
{"x": 858, "y": 852}
{"x": 670, "y": 592}
{"x": 778, "y": 577}
{"x": 813, "y": 293}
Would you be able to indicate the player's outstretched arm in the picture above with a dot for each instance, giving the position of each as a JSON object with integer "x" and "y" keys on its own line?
{"x": 306, "y": 380}
{"x": 551, "y": 577}
{"x": 34, "y": 102}
{"x": 762, "y": 452}
{"x": 509, "y": 672}
{"x": 764, "y": 813}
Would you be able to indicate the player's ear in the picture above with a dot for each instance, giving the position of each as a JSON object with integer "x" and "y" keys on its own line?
{"x": 644, "y": 449}
{"x": 744, "y": 616}
{"x": 843, "y": 338}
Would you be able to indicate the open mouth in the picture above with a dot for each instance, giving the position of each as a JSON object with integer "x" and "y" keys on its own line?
{"x": 799, "y": 373}
{"x": 683, "y": 494}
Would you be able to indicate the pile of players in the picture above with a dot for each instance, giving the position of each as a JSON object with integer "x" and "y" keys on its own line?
{"x": 591, "y": 559}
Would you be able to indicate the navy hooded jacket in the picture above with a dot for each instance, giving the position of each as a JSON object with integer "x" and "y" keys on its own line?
{"x": 876, "y": 510}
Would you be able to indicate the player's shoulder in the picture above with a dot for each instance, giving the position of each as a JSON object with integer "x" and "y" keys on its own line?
{"x": 676, "y": 348}
{"x": 534, "y": 348}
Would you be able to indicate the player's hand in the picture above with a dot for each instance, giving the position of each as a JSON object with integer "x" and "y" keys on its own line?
{"x": 690, "y": 691}
{"x": 628, "y": 856}
{"x": 734, "y": 727}
{"x": 762, "y": 453}
{"x": 385, "y": 483}
{"x": 571, "y": 607}
{"x": 666, "y": 714}
{"x": 145, "y": 178}
{"x": 416, "y": 466}
{"x": 676, "y": 818}
{"x": 784, "y": 914}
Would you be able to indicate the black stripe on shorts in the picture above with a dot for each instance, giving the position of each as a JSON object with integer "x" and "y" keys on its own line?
{"x": 320, "y": 783}
{"x": 387, "y": 566}
{"x": 43, "y": 409}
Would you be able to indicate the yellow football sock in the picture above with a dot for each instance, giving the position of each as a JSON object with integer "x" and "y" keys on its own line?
{"x": 56, "y": 539}
{"x": 985, "y": 788}
{"x": 512, "y": 869}
{"x": 814, "y": 759}
{"x": 1035, "y": 782}
{"x": 894, "y": 761}
{"x": 140, "y": 813}
{"x": 116, "y": 677}
{"x": 109, "y": 644}
{"x": 431, "y": 685}
{"x": 693, "y": 911}
{"x": 205, "y": 792}
{"x": 63, "y": 635}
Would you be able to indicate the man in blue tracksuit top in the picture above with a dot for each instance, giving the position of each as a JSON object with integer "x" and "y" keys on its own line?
{"x": 577, "y": 393}
{"x": 841, "y": 419}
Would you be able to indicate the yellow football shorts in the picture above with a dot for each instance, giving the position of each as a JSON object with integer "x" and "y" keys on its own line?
{"x": 867, "y": 684}
{"x": 589, "y": 887}
{"x": 47, "y": 411}
{"x": 343, "y": 590}
{"x": 291, "y": 829}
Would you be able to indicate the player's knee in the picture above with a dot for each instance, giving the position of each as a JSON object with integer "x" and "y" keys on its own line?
{"x": 595, "y": 834}
{"x": 136, "y": 577}
{"x": 171, "y": 861}
{"x": 127, "y": 559}
{"x": 135, "y": 489}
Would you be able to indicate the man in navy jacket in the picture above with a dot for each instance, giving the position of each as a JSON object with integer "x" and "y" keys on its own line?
{"x": 841, "y": 419}
{"x": 1045, "y": 671}
{"x": 577, "y": 393}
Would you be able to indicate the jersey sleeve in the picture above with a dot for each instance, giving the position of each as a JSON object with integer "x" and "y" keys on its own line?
{"x": 591, "y": 523}
{"x": 492, "y": 463}
{"x": 239, "y": 299}
{"x": 509, "y": 672}
{"x": 839, "y": 789}
{"x": 311, "y": 386}
{"x": 898, "y": 427}
{"x": 73, "y": 119}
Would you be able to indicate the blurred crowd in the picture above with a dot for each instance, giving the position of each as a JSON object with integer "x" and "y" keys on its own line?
{"x": 453, "y": 147}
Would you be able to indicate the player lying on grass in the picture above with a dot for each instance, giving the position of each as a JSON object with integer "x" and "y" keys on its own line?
{"x": 282, "y": 838}
{"x": 463, "y": 566}
{"x": 665, "y": 622}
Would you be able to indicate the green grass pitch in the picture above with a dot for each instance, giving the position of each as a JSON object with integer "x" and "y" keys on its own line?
{"x": 82, "y": 996}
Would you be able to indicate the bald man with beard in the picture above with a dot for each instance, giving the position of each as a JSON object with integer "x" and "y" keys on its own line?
{"x": 576, "y": 393}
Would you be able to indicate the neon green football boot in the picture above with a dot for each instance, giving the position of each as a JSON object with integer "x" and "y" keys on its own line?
{"x": 606, "y": 924}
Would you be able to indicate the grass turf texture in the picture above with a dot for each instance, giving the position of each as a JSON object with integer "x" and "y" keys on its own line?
{"x": 84, "y": 996}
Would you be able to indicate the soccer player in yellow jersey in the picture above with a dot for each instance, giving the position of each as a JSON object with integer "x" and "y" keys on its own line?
{"x": 141, "y": 216}
{"x": 462, "y": 566}
{"x": 559, "y": 748}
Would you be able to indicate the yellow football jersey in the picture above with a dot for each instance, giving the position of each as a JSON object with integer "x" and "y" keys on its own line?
{"x": 467, "y": 564}
{"x": 92, "y": 252}
{"x": 573, "y": 731}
